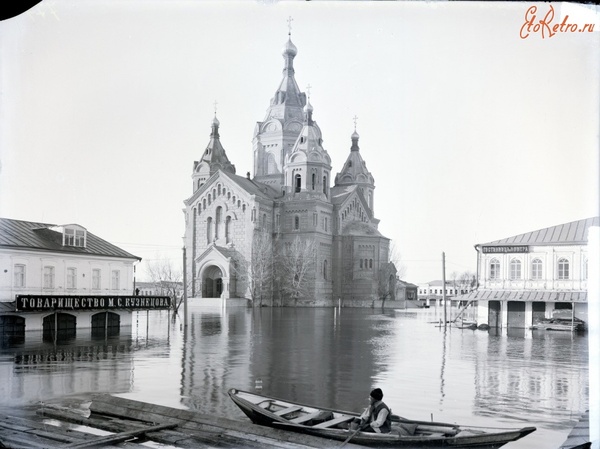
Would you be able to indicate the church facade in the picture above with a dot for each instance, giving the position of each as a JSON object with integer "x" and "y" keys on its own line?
{"x": 285, "y": 236}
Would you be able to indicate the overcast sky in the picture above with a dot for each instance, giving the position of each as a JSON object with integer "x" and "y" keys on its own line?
{"x": 471, "y": 132}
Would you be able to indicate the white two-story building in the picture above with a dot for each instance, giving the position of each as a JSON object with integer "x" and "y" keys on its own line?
{"x": 527, "y": 277}
{"x": 63, "y": 278}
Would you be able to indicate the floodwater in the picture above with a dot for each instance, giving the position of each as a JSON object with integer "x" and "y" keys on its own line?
{"x": 330, "y": 357}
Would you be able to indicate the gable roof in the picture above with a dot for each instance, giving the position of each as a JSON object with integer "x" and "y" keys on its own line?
{"x": 572, "y": 233}
{"x": 19, "y": 234}
{"x": 249, "y": 186}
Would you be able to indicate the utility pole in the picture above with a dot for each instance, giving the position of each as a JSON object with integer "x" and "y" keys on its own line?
{"x": 444, "y": 285}
{"x": 185, "y": 311}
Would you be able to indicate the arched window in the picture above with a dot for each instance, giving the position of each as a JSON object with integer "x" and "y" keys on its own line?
{"x": 218, "y": 221}
{"x": 366, "y": 262}
{"x": 298, "y": 183}
{"x": 219, "y": 189}
{"x": 228, "y": 229}
{"x": 370, "y": 263}
{"x": 264, "y": 221}
{"x": 563, "y": 268}
{"x": 325, "y": 269}
{"x": 204, "y": 204}
{"x": 296, "y": 222}
{"x": 536, "y": 269}
{"x": 209, "y": 197}
{"x": 325, "y": 185}
{"x": 494, "y": 269}
{"x": 515, "y": 269}
{"x": 209, "y": 233}
{"x": 314, "y": 180}
{"x": 361, "y": 263}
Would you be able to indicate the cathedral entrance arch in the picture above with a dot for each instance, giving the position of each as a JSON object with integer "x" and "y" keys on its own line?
{"x": 212, "y": 282}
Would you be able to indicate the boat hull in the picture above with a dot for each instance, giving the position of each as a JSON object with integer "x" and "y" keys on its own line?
{"x": 334, "y": 425}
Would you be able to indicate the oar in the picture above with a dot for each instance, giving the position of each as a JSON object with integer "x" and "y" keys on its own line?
{"x": 350, "y": 437}
{"x": 360, "y": 427}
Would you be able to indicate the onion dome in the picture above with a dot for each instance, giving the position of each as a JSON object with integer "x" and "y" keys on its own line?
{"x": 290, "y": 49}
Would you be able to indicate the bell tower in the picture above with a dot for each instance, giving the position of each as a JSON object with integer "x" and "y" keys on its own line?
{"x": 275, "y": 136}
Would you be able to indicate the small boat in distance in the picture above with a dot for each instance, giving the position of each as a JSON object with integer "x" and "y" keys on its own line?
{"x": 560, "y": 321}
{"x": 335, "y": 425}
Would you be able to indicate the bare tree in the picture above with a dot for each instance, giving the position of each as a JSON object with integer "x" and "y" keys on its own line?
{"x": 396, "y": 258}
{"x": 387, "y": 281}
{"x": 167, "y": 280}
{"x": 467, "y": 281}
{"x": 295, "y": 264}
{"x": 388, "y": 273}
{"x": 261, "y": 267}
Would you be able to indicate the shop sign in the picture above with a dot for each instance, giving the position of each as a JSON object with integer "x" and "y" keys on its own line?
{"x": 505, "y": 249}
{"x": 25, "y": 303}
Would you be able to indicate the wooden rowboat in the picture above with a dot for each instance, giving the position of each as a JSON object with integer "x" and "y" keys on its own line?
{"x": 335, "y": 425}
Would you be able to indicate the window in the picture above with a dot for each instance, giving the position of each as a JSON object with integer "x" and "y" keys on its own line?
{"x": 366, "y": 263}
{"x": 563, "y": 268}
{"x": 228, "y": 229}
{"x": 71, "y": 278}
{"x": 315, "y": 220}
{"x": 325, "y": 224}
{"x": 361, "y": 263}
{"x": 325, "y": 185}
{"x": 264, "y": 221}
{"x": 314, "y": 180}
{"x": 218, "y": 220}
{"x": 325, "y": 269}
{"x": 74, "y": 237}
{"x": 536, "y": 269}
{"x": 298, "y": 183}
{"x": 494, "y": 269}
{"x": 515, "y": 269}
{"x": 48, "y": 277}
{"x": 370, "y": 263}
{"x": 19, "y": 275}
{"x": 296, "y": 222}
{"x": 209, "y": 234}
{"x": 96, "y": 279}
{"x": 116, "y": 280}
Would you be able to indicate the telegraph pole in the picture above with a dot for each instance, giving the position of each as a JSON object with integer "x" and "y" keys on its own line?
{"x": 185, "y": 312}
{"x": 444, "y": 285}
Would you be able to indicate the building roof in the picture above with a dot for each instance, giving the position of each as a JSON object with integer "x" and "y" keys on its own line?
{"x": 572, "y": 233}
{"x": 406, "y": 284}
{"x": 19, "y": 234}
{"x": 526, "y": 295}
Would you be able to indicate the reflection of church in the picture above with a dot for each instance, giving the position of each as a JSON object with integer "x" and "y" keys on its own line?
{"x": 289, "y": 199}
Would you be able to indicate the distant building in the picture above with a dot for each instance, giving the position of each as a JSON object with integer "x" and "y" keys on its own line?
{"x": 432, "y": 292}
{"x": 405, "y": 291}
{"x": 62, "y": 277}
{"x": 161, "y": 288}
{"x": 528, "y": 277}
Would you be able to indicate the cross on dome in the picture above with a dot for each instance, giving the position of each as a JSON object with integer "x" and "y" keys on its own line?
{"x": 289, "y": 21}
{"x": 355, "y": 118}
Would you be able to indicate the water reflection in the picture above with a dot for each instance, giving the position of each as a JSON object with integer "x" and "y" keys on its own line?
{"x": 331, "y": 357}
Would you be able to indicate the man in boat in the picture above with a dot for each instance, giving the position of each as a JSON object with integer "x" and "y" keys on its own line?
{"x": 377, "y": 417}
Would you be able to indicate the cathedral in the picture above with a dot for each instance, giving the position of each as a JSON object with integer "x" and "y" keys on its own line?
{"x": 286, "y": 236}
